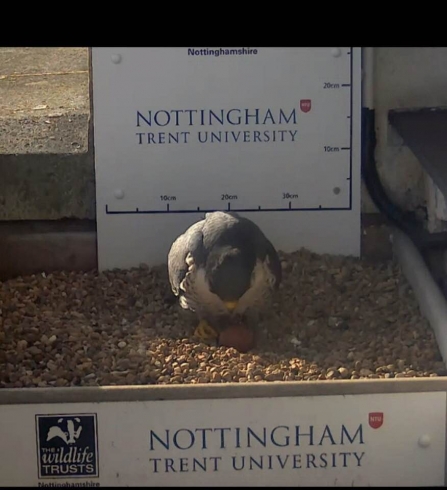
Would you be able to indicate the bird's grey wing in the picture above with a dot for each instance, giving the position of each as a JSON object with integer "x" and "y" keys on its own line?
{"x": 190, "y": 244}
{"x": 274, "y": 264}
{"x": 177, "y": 267}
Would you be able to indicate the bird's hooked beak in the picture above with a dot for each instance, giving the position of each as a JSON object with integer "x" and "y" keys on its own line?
{"x": 231, "y": 305}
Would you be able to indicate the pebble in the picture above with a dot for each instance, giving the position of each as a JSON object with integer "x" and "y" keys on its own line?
{"x": 365, "y": 372}
{"x": 277, "y": 375}
{"x": 22, "y": 344}
{"x": 34, "y": 350}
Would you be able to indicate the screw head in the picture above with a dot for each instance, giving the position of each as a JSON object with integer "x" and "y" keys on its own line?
{"x": 424, "y": 441}
{"x": 116, "y": 58}
{"x": 119, "y": 193}
{"x": 336, "y": 52}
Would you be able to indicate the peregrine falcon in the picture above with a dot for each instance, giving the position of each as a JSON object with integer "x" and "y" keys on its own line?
{"x": 221, "y": 268}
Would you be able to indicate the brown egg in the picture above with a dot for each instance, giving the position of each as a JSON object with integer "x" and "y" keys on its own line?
{"x": 239, "y": 337}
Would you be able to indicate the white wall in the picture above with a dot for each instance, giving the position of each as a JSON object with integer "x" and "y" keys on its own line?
{"x": 403, "y": 78}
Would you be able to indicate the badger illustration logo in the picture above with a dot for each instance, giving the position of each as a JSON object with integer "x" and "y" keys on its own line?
{"x": 70, "y": 436}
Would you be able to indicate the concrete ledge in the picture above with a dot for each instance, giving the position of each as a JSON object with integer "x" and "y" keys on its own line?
{"x": 44, "y": 100}
{"x": 46, "y": 154}
{"x": 45, "y": 135}
{"x": 33, "y": 249}
{"x": 97, "y": 394}
{"x": 47, "y": 187}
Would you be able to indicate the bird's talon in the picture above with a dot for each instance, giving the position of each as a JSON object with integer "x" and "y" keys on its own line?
{"x": 205, "y": 332}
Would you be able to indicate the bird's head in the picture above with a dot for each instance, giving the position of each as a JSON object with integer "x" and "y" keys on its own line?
{"x": 229, "y": 271}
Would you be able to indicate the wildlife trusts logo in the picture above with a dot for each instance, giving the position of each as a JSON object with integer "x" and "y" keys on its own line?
{"x": 67, "y": 446}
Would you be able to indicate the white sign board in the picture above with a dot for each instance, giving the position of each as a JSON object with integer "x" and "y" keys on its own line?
{"x": 352, "y": 440}
{"x": 272, "y": 133}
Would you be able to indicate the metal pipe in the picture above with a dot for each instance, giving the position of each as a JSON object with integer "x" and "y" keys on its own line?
{"x": 431, "y": 301}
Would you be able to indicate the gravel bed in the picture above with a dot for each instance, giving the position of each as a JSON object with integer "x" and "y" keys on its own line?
{"x": 333, "y": 318}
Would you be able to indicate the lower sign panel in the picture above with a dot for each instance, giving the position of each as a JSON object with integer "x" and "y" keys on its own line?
{"x": 353, "y": 440}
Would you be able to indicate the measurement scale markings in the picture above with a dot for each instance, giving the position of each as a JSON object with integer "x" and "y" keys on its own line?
{"x": 329, "y": 86}
{"x": 248, "y": 210}
{"x": 351, "y": 67}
